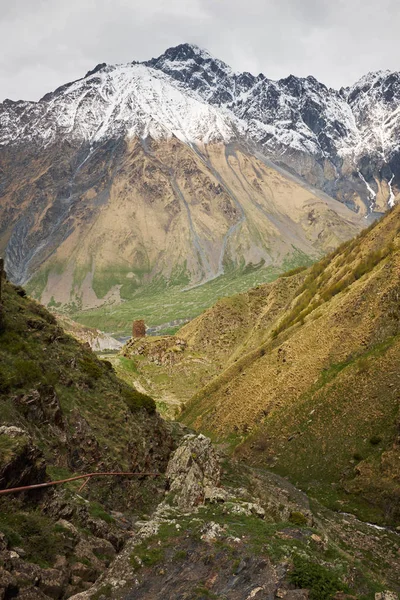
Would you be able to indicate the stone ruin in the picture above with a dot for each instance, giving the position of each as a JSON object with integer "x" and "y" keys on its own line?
{"x": 138, "y": 329}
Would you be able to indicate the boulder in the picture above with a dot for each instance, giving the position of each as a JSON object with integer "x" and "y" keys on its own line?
{"x": 8, "y": 584}
{"x": 52, "y": 582}
{"x": 193, "y": 468}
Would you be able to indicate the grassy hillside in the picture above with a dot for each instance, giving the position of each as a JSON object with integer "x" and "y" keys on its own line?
{"x": 38, "y": 361}
{"x": 318, "y": 399}
{"x": 176, "y": 367}
{"x": 63, "y": 412}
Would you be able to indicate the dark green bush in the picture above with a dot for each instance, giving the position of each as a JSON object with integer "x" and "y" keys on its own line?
{"x": 297, "y": 518}
{"x": 91, "y": 367}
{"x": 108, "y": 365}
{"x": 322, "y": 583}
{"x": 136, "y": 400}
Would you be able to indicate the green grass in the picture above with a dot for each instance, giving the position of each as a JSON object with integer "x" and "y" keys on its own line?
{"x": 321, "y": 582}
{"x": 37, "y": 357}
{"x": 97, "y": 511}
{"x": 159, "y": 305}
{"x": 41, "y": 539}
{"x": 322, "y": 569}
{"x": 327, "y": 432}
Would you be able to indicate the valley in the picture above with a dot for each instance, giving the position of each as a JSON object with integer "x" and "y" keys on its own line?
{"x": 248, "y": 446}
{"x": 306, "y": 363}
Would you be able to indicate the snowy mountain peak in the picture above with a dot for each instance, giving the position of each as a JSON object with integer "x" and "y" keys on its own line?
{"x": 184, "y": 52}
{"x": 186, "y": 92}
{"x": 117, "y": 101}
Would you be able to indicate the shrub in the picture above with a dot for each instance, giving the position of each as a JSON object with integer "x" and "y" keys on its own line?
{"x": 91, "y": 367}
{"x": 136, "y": 400}
{"x": 375, "y": 440}
{"x": 321, "y": 582}
{"x": 20, "y": 291}
{"x": 297, "y": 518}
{"x": 108, "y": 365}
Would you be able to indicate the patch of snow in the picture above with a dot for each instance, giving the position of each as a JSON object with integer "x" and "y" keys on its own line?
{"x": 372, "y": 194}
{"x": 391, "y": 200}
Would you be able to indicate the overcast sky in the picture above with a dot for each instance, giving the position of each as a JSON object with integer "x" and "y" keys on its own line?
{"x": 46, "y": 43}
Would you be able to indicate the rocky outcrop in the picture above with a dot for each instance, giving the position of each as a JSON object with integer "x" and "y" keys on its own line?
{"x": 21, "y": 461}
{"x": 193, "y": 471}
{"x": 227, "y": 549}
{"x": 160, "y": 351}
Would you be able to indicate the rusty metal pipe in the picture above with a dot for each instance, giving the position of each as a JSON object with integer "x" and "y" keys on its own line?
{"x": 86, "y": 476}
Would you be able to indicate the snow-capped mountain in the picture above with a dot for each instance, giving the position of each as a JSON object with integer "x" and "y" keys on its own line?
{"x": 345, "y": 142}
{"x": 174, "y": 169}
{"x": 113, "y": 101}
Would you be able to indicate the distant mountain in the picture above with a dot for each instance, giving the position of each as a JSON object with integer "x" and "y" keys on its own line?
{"x": 177, "y": 170}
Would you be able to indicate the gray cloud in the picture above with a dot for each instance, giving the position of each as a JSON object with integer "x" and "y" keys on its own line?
{"x": 46, "y": 43}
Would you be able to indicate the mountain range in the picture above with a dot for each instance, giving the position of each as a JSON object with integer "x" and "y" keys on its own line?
{"x": 175, "y": 171}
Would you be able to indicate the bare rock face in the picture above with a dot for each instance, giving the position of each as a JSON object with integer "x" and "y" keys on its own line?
{"x": 21, "y": 462}
{"x": 193, "y": 470}
{"x": 42, "y": 406}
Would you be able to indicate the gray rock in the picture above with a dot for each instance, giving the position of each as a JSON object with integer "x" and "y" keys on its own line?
{"x": 7, "y": 583}
{"x": 193, "y": 467}
{"x": 53, "y": 582}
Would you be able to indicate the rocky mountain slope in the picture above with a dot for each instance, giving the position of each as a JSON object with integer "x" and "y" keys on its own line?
{"x": 301, "y": 373}
{"x": 175, "y": 171}
{"x": 325, "y": 377}
{"x": 97, "y": 340}
{"x": 64, "y": 413}
{"x": 204, "y": 528}
{"x": 345, "y": 142}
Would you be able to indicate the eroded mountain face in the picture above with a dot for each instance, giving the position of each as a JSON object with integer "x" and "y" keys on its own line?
{"x": 345, "y": 142}
{"x": 158, "y": 173}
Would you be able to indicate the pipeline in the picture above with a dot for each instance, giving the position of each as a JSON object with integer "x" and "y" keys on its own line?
{"x": 87, "y": 477}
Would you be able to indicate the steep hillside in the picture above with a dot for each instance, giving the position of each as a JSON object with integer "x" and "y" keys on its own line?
{"x": 64, "y": 413}
{"x": 174, "y": 368}
{"x": 202, "y": 529}
{"x": 319, "y": 399}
